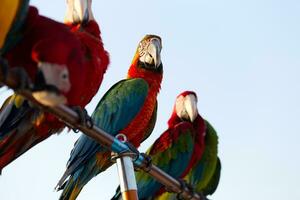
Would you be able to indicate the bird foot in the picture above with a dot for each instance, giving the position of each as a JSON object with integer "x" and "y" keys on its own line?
{"x": 84, "y": 118}
{"x": 185, "y": 187}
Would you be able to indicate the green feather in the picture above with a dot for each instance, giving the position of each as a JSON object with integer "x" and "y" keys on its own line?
{"x": 203, "y": 171}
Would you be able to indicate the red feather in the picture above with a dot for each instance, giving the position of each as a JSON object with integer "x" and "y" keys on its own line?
{"x": 135, "y": 131}
{"x": 199, "y": 127}
{"x": 80, "y": 48}
{"x": 96, "y": 58}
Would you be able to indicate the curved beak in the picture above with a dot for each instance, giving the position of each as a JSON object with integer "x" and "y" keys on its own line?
{"x": 190, "y": 104}
{"x": 154, "y": 50}
{"x": 81, "y": 11}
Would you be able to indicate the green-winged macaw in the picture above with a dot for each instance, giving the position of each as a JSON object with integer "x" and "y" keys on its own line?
{"x": 204, "y": 175}
{"x": 65, "y": 54}
{"x": 128, "y": 107}
{"x": 177, "y": 149}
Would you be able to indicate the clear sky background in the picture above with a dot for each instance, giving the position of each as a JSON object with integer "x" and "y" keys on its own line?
{"x": 243, "y": 60}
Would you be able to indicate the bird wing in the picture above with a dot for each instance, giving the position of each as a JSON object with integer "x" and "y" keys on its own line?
{"x": 201, "y": 174}
{"x": 17, "y": 130}
{"x": 171, "y": 152}
{"x": 214, "y": 181}
{"x": 114, "y": 112}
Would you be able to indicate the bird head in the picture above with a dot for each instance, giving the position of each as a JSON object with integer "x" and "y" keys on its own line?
{"x": 79, "y": 11}
{"x": 52, "y": 66}
{"x": 186, "y": 106}
{"x": 148, "y": 53}
{"x": 56, "y": 75}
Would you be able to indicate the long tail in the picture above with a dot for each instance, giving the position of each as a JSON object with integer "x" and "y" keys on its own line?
{"x": 71, "y": 189}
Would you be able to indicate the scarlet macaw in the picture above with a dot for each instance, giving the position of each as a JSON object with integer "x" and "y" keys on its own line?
{"x": 128, "y": 107}
{"x": 177, "y": 149}
{"x": 80, "y": 20}
{"x": 22, "y": 125}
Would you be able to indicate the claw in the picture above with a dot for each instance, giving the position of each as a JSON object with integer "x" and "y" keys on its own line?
{"x": 185, "y": 187}
{"x": 84, "y": 118}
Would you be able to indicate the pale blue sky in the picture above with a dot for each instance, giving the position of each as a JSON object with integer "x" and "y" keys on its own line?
{"x": 243, "y": 60}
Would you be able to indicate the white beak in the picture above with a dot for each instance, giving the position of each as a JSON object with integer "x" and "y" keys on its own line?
{"x": 81, "y": 10}
{"x": 154, "y": 50}
{"x": 190, "y": 104}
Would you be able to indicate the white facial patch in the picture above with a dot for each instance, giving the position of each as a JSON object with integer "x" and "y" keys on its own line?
{"x": 149, "y": 51}
{"x": 57, "y": 75}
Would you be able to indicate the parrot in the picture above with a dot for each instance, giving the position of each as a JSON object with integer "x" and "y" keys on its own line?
{"x": 23, "y": 125}
{"x": 176, "y": 150}
{"x": 79, "y": 18}
{"x": 128, "y": 107}
{"x": 204, "y": 175}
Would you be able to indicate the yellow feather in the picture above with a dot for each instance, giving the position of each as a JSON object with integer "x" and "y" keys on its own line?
{"x": 8, "y": 10}
{"x": 75, "y": 193}
{"x": 18, "y": 100}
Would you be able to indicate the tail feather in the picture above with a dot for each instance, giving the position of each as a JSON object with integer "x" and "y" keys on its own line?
{"x": 71, "y": 190}
{"x": 62, "y": 182}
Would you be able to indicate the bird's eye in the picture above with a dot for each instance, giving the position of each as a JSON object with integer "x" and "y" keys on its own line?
{"x": 64, "y": 75}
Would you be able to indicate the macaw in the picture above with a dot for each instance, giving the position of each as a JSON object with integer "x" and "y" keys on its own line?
{"x": 177, "y": 149}
{"x": 204, "y": 175}
{"x": 80, "y": 20}
{"x": 53, "y": 48}
{"x": 128, "y": 107}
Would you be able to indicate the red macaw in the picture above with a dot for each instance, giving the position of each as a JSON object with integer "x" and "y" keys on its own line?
{"x": 53, "y": 47}
{"x": 204, "y": 175}
{"x": 177, "y": 149}
{"x": 81, "y": 22}
{"x": 128, "y": 107}
{"x": 203, "y": 172}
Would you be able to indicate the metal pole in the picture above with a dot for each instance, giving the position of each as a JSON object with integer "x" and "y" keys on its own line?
{"x": 125, "y": 167}
{"x": 71, "y": 118}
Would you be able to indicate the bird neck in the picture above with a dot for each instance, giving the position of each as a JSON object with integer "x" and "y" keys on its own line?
{"x": 153, "y": 78}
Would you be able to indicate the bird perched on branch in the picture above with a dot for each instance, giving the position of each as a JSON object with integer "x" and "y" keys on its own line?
{"x": 67, "y": 57}
{"x": 128, "y": 107}
{"x": 80, "y": 20}
{"x": 203, "y": 172}
{"x": 177, "y": 149}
